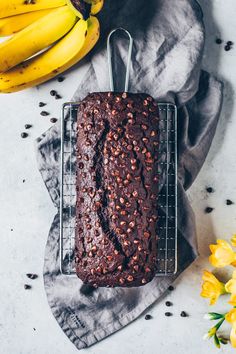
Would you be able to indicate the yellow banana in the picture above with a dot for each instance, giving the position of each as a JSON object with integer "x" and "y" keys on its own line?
{"x": 36, "y": 37}
{"x": 83, "y": 8}
{"x": 67, "y": 52}
{"x": 13, "y": 24}
{"x": 16, "y": 7}
{"x": 97, "y": 6}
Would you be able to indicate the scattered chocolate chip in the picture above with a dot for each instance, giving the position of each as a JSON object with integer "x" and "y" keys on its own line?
{"x": 61, "y": 78}
{"x": 148, "y": 317}
{"x": 24, "y": 135}
{"x": 27, "y": 286}
{"x": 168, "y": 314}
{"x": 183, "y": 314}
{"x": 28, "y": 126}
{"x": 209, "y": 210}
{"x": 23, "y": 181}
{"x": 32, "y": 276}
{"x": 168, "y": 303}
{"x": 53, "y": 93}
{"x": 44, "y": 113}
{"x": 227, "y": 47}
{"x": 11, "y": 230}
{"x": 230, "y": 43}
{"x": 229, "y": 202}
{"x": 53, "y": 120}
{"x": 171, "y": 288}
{"x": 58, "y": 97}
{"x": 42, "y": 104}
{"x": 34, "y": 329}
{"x": 218, "y": 41}
{"x": 209, "y": 190}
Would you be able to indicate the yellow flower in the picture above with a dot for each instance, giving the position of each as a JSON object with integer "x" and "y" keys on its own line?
{"x": 232, "y": 300}
{"x": 222, "y": 254}
{"x": 233, "y": 337}
{"x": 230, "y": 287}
{"x": 212, "y": 288}
{"x": 233, "y": 240}
{"x": 231, "y": 318}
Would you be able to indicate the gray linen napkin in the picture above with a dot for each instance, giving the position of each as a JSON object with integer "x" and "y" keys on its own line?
{"x": 169, "y": 39}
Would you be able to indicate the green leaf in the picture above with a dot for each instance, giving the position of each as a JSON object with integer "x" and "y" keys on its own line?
{"x": 216, "y": 341}
{"x": 217, "y": 326}
{"x": 215, "y": 316}
{"x": 223, "y": 340}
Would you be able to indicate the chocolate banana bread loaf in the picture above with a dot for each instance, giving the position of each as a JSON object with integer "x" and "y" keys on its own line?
{"x": 117, "y": 189}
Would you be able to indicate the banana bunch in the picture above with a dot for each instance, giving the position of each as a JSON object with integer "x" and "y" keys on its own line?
{"x": 47, "y": 38}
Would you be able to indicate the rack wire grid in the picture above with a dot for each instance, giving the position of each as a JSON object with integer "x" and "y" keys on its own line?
{"x": 167, "y": 207}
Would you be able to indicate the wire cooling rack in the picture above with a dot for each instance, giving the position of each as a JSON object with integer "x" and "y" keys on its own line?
{"x": 167, "y": 206}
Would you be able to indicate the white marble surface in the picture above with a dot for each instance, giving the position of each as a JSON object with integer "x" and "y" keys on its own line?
{"x": 27, "y": 209}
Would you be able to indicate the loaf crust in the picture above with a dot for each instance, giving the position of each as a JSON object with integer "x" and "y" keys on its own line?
{"x": 117, "y": 189}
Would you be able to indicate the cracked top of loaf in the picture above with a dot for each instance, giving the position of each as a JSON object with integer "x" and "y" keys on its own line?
{"x": 117, "y": 189}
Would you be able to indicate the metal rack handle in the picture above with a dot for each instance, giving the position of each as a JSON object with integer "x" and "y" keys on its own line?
{"x": 109, "y": 54}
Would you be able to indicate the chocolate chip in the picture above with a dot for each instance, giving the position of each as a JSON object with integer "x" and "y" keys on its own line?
{"x": 58, "y": 97}
{"x": 183, "y": 314}
{"x": 227, "y": 47}
{"x": 229, "y": 202}
{"x": 171, "y": 288}
{"x": 28, "y": 126}
{"x": 53, "y": 120}
{"x": 27, "y": 286}
{"x": 24, "y": 135}
{"x": 122, "y": 281}
{"x": 147, "y": 270}
{"x": 53, "y": 93}
{"x": 230, "y": 43}
{"x": 218, "y": 41}
{"x": 168, "y": 303}
{"x": 168, "y": 314}
{"x": 61, "y": 78}
{"x": 146, "y": 234}
{"x": 94, "y": 248}
{"x": 208, "y": 210}
{"x": 42, "y": 104}
{"x": 23, "y": 181}
{"x": 148, "y": 317}
{"x": 209, "y": 190}
{"x": 32, "y": 276}
{"x": 44, "y": 113}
